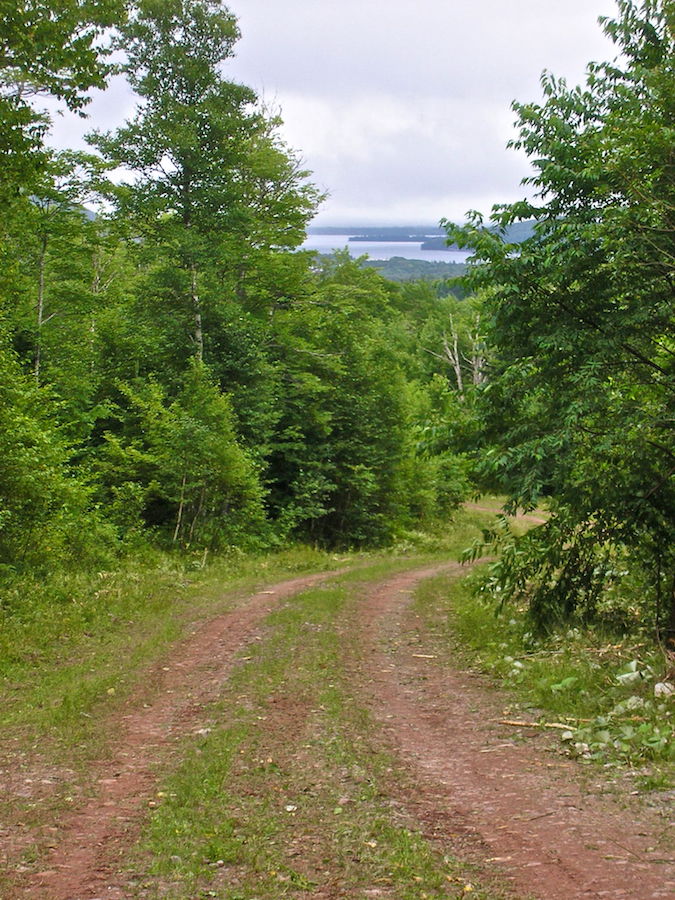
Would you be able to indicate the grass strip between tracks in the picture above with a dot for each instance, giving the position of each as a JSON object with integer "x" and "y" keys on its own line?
{"x": 281, "y": 791}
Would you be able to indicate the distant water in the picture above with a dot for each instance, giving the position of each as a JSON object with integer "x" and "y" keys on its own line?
{"x": 328, "y": 243}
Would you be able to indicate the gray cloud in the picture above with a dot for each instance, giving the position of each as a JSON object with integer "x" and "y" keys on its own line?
{"x": 401, "y": 109}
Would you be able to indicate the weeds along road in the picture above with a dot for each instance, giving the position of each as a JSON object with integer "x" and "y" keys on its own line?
{"x": 317, "y": 740}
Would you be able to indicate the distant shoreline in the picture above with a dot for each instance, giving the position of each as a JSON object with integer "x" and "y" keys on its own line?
{"x": 429, "y": 237}
{"x": 386, "y": 233}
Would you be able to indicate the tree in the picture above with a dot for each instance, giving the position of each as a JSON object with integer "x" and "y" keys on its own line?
{"x": 53, "y": 48}
{"x": 583, "y": 321}
{"x": 453, "y": 334}
{"x": 52, "y": 236}
{"x": 344, "y": 468}
{"x": 45, "y": 518}
{"x": 215, "y": 188}
{"x": 175, "y": 466}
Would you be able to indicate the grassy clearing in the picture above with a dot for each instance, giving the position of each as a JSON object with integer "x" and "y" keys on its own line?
{"x": 281, "y": 793}
{"x": 602, "y": 687}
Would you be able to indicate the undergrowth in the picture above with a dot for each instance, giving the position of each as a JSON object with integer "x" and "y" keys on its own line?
{"x": 603, "y": 692}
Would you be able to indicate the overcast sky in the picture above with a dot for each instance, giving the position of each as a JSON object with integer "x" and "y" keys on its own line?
{"x": 401, "y": 108}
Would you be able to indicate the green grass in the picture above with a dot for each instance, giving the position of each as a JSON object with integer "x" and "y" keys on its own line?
{"x": 73, "y": 647}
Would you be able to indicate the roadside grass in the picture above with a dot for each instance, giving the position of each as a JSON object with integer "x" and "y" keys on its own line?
{"x": 73, "y": 646}
{"x": 600, "y": 686}
{"x": 450, "y": 539}
{"x": 281, "y": 792}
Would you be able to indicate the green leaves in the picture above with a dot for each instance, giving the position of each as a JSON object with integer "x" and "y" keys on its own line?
{"x": 177, "y": 46}
{"x": 179, "y": 465}
{"x": 56, "y": 46}
{"x": 581, "y": 320}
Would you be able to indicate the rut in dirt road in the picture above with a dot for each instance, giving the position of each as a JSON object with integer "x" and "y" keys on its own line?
{"x": 81, "y": 865}
{"x": 548, "y": 836}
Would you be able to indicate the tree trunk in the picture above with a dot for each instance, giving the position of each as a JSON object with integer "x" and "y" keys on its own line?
{"x": 179, "y": 518}
{"x": 670, "y": 628}
{"x": 668, "y": 647}
{"x": 198, "y": 513}
{"x": 477, "y": 356}
{"x": 40, "y": 307}
{"x": 197, "y": 313}
{"x": 453, "y": 355}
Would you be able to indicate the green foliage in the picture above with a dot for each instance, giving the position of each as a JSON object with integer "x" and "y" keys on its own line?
{"x": 176, "y": 466}
{"x": 339, "y": 442}
{"x": 55, "y": 48}
{"x": 215, "y": 192}
{"x": 44, "y": 516}
{"x": 346, "y": 466}
{"x": 561, "y": 570}
{"x": 581, "y": 318}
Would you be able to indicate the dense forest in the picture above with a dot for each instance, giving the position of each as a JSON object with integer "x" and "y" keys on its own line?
{"x": 177, "y": 373}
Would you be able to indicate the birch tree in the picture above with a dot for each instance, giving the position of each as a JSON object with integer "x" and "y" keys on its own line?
{"x": 210, "y": 181}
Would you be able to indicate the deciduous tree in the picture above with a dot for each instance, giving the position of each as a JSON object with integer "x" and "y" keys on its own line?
{"x": 583, "y": 320}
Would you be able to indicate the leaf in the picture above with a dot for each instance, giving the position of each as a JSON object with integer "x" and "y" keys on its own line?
{"x": 564, "y": 684}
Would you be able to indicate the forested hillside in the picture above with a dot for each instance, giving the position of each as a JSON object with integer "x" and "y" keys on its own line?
{"x": 178, "y": 374}
{"x": 174, "y": 371}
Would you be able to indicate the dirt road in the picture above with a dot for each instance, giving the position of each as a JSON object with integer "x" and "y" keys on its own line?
{"x": 529, "y": 809}
{"x": 497, "y": 794}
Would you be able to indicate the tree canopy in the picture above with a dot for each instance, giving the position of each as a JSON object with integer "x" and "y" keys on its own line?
{"x": 582, "y": 321}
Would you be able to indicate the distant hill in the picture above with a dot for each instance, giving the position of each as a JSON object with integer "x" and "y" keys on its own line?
{"x": 431, "y": 237}
{"x": 384, "y": 233}
{"x": 515, "y": 234}
{"x": 400, "y": 269}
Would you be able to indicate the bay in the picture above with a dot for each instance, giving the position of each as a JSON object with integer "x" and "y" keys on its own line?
{"x": 329, "y": 243}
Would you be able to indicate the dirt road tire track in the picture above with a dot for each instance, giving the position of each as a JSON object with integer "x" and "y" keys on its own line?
{"x": 82, "y": 865}
{"x": 526, "y": 809}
